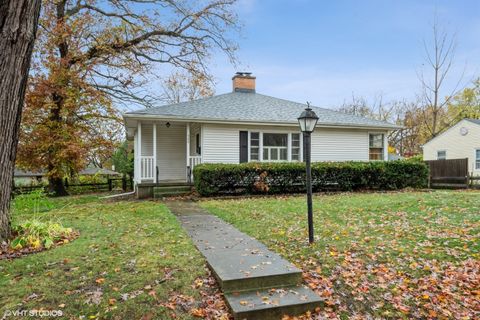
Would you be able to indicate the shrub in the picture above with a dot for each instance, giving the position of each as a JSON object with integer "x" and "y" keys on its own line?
{"x": 33, "y": 234}
{"x": 36, "y": 234}
{"x": 33, "y": 202}
{"x": 274, "y": 178}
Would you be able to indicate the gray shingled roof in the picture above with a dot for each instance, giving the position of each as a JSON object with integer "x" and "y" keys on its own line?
{"x": 253, "y": 107}
{"x": 100, "y": 171}
{"x": 19, "y": 173}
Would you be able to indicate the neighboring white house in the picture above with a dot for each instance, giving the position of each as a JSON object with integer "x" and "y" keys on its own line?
{"x": 459, "y": 141}
{"x": 243, "y": 126}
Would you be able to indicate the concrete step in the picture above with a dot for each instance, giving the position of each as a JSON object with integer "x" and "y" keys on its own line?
{"x": 273, "y": 303}
{"x": 239, "y": 262}
{"x": 166, "y": 191}
{"x": 246, "y": 269}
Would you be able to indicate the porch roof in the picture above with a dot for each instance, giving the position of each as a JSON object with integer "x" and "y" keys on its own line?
{"x": 251, "y": 107}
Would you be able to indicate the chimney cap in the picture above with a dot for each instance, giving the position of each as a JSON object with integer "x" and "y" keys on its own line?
{"x": 243, "y": 74}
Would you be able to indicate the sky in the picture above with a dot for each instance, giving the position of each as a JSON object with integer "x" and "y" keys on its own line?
{"x": 327, "y": 51}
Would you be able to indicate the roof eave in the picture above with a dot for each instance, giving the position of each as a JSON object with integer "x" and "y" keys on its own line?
{"x": 138, "y": 116}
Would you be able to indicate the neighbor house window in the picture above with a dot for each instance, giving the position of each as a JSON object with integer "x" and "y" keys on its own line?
{"x": 376, "y": 146}
{"x": 254, "y": 146}
{"x": 275, "y": 147}
{"x": 441, "y": 155}
{"x": 295, "y": 146}
{"x": 477, "y": 159}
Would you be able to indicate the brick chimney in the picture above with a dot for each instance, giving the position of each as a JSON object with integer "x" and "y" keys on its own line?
{"x": 243, "y": 82}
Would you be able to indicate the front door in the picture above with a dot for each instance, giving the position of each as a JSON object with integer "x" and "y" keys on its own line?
{"x": 171, "y": 152}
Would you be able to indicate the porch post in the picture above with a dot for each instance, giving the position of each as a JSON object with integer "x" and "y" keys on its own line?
{"x": 385, "y": 148}
{"x": 139, "y": 152}
{"x": 135, "y": 162}
{"x": 155, "y": 152}
{"x": 188, "y": 151}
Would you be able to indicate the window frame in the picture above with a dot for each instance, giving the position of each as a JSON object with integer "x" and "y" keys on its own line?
{"x": 271, "y": 149}
{"x": 477, "y": 159}
{"x": 383, "y": 134}
{"x": 198, "y": 146}
{"x": 290, "y": 148}
{"x": 273, "y": 131}
{"x": 250, "y": 146}
{"x": 445, "y": 151}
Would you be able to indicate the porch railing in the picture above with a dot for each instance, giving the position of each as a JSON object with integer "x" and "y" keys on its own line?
{"x": 192, "y": 162}
{"x": 147, "y": 168}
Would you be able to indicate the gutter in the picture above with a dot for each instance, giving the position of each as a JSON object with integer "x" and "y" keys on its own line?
{"x": 270, "y": 123}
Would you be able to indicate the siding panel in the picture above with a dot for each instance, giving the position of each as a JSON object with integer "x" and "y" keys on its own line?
{"x": 339, "y": 145}
{"x": 147, "y": 139}
{"x": 221, "y": 144}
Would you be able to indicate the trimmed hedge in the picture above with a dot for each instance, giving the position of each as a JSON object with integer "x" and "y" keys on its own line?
{"x": 274, "y": 178}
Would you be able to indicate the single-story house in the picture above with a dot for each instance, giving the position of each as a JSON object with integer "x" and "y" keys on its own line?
{"x": 243, "y": 126}
{"x": 26, "y": 178}
{"x": 461, "y": 140}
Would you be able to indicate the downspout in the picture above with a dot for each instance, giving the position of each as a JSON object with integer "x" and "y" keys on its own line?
{"x": 121, "y": 194}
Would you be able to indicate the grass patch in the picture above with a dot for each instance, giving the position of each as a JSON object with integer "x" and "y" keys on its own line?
{"x": 130, "y": 260}
{"x": 389, "y": 255}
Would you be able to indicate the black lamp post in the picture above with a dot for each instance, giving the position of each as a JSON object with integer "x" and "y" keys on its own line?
{"x": 307, "y": 121}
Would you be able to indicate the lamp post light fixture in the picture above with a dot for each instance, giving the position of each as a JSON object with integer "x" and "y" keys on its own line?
{"x": 307, "y": 121}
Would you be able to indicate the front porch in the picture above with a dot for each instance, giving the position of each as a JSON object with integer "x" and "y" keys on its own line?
{"x": 166, "y": 152}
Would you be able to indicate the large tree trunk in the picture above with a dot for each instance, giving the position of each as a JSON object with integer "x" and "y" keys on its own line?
{"x": 18, "y": 26}
{"x": 55, "y": 182}
{"x": 56, "y": 187}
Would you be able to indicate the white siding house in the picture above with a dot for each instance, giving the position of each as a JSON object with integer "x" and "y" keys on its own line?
{"x": 243, "y": 126}
{"x": 459, "y": 141}
{"x": 221, "y": 142}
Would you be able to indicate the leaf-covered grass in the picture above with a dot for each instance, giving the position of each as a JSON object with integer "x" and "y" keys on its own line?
{"x": 132, "y": 259}
{"x": 405, "y": 254}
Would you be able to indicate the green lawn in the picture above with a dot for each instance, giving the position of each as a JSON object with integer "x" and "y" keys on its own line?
{"x": 132, "y": 260}
{"x": 390, "y": 255}
{"x": 407, "y": 255}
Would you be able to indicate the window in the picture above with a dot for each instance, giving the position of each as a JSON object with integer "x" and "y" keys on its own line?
{"x": 295, "y": 146}
{"x": 197, "y": 144}
{"x": 441, "y": 155}
{"x": 376, "y": 147}
{"x": 254, "y": 146}
{"x": 275, "y": 147}
{"x": 477, "y": 159}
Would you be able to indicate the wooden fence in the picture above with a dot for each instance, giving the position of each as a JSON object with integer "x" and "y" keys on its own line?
{"x": 78, "y": 188}
{"x": 451, "y": 173}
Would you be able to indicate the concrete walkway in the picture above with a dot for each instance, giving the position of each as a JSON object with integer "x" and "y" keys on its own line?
{"x": 257, "y": 283}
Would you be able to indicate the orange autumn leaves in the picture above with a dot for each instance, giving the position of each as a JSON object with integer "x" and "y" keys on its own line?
{"x": 211, "y": 305}
{"x": 356, "y": 287}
